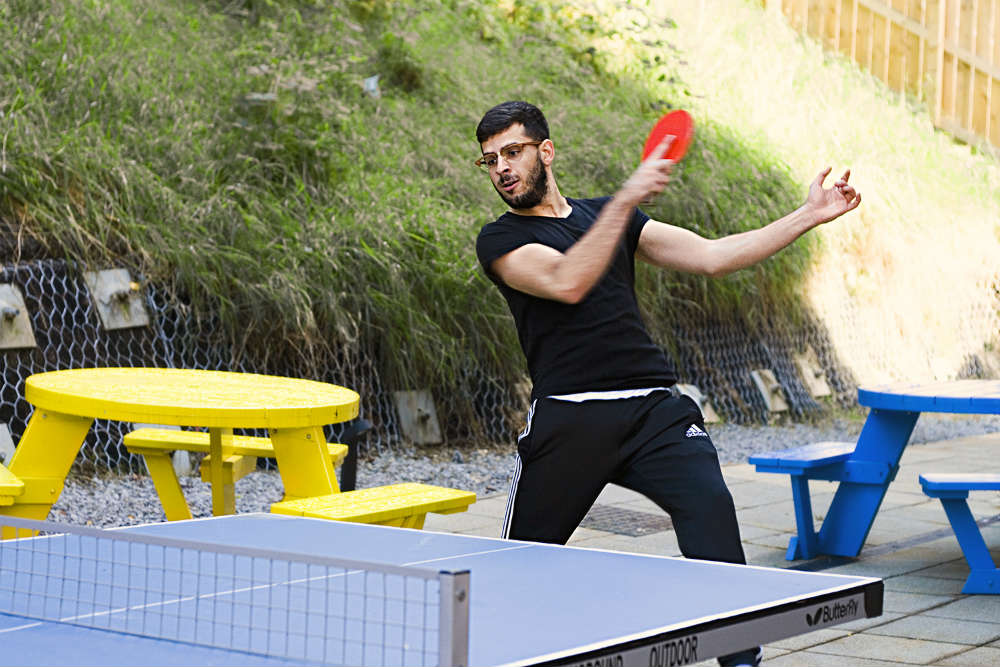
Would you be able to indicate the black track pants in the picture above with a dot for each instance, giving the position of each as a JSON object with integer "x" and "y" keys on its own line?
{"x": 656, "y": 445}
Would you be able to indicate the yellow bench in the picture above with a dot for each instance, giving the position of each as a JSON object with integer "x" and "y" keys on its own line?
{"x": 404, "y": 505}
{"x": 10, "y": 486}
{"x": 156, "y": 444}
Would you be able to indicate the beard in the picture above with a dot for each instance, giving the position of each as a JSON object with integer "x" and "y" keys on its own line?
{"x": 536, "y": 186}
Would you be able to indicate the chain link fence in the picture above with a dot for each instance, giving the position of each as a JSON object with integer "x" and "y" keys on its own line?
{"x": 69, "y": 334}
{"x": 716, "y": 356}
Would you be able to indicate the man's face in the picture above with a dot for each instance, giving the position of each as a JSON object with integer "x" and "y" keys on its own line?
{"x": 519, "y": 176}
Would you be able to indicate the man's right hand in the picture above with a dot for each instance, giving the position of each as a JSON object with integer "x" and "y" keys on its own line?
{"x": 651, "y": 178}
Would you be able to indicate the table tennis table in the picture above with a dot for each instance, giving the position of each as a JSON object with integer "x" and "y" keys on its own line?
{"x": 217, "y": 591}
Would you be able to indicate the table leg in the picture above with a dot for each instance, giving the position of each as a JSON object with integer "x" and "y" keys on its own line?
{"x": 984, "y": 576}
{"x": 168, "y": 487}
{"x": 304, "y": 462}
{"x": 855, "y": 504}
{"x": 803, "y": 544}
{"x": 220, "y": 444}
{"x": 42, "y": 460}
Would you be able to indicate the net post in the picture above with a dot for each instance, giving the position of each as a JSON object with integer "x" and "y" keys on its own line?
{"x": 453, "y": 625}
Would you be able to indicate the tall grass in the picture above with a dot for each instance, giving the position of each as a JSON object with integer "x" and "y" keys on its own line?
{"x": 229, "y": 151}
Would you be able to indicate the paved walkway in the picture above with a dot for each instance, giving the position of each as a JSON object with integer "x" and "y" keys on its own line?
{"x": 926, "y": 621}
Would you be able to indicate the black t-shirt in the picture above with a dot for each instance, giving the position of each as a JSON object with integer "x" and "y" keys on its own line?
{"x": 599, "y": 344}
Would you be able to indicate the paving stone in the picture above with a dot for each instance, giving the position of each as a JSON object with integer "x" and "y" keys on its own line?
{"x": 663, "y": 544}
{"x": 917, "y": 583}
{"x": 916, "y": 455}
{"x": 754, "y": 533}
{"x": 898, "y": 525}
{"x": 642, "y": 504}
{"x": 893, "y": 565}
{"x": 765, "y": 556}
{"x": 929, "y": 513}
{"x": 909, "y": 603}
{"x": 744, "y": 472}
{"x": 882, "y": 566}
{"x": 483, "y": 531}
{"x": 904, "y": 494}
{"x": 491, "y": 507}
{"x": 983, "y": 656}
{"x": 755, "y": 495}
{"x": 582, "y": 534}
{"x": 768, "y": 538}
{"x": 776, "y": 516}
{"x": 954, "y": 569}
{"x": 991, "y": 535}
{"x": 982, "y": 504}
{"x": 910, "y": 567}
{"x": 984, "y": 608}
{"x": 933, "y": 552}
{"x": 459, "y": 522}
{"x": 613, "y": 493}
{"x": 865, "y": 623}
{"x": 659, "y": 544}
{"x": 935, "y": 629}
{"x": 814, "y": 659}
{"x": 811, "y": 639}
{"x": 609, "y": 542}
{"x": 882, "y": 647}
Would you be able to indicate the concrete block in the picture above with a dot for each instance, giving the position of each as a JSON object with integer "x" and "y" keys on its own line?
{"x": 117, "y": 299}
{"x": 417, "y": 416}
{"x": 6, "y": 444}
{"x": 812, "y": 373}
{"x": 15, "y": 325}
{"x": 770, "y": 389}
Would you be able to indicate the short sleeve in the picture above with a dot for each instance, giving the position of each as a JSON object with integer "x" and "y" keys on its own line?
{"x": 638, "y": 221}
{"x": 496, "y": 240}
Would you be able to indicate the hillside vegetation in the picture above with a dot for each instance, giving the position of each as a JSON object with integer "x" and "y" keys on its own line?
{"x": 228, "y": 151}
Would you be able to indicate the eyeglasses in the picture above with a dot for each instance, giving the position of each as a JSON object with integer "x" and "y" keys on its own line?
{"x": 510, "y": 153}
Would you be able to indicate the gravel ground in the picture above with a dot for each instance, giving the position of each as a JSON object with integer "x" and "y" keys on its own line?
{"x": 131, "y": 499}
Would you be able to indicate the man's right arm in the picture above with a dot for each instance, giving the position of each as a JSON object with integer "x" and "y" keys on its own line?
{"x": 569, "y": 277}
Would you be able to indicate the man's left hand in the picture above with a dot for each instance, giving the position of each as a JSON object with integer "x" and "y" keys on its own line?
{"x": 828, "y": 204}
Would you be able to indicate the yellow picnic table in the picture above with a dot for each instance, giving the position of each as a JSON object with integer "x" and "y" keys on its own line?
{"x": 67, "y": 403}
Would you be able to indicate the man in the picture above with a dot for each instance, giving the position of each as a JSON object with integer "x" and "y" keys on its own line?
{"x": 603, "y": 409}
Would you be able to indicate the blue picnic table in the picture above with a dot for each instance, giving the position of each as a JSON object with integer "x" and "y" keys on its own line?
{"x": 865, "y": 469}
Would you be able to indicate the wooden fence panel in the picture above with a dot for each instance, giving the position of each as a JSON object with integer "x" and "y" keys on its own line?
{"x": 993, "y": 112}
{"x": 946, "y": 52}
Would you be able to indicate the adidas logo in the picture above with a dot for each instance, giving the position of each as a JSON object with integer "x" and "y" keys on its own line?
{"x": 694, "y": 432}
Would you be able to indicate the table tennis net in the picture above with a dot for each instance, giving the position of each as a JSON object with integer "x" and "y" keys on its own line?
{"x": 255, "y": 601}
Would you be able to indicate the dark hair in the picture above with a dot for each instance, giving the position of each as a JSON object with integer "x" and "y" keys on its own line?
{"x": 502, "y": 116}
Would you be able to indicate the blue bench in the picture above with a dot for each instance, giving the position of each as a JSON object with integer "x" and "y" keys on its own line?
{"x": 952, "y": 489}
{"x": 828, "y": 461}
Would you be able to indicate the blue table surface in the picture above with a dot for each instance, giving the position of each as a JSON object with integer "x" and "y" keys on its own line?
{"x": 956, "y": 396}
{"x": 527, "y": 599}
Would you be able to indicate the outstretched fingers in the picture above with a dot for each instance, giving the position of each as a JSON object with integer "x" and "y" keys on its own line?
{"x": 818, "y": 181}
{"x": 836, "y": 200}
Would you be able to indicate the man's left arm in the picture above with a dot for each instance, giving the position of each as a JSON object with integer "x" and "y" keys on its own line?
{"x": 681, "y": 249}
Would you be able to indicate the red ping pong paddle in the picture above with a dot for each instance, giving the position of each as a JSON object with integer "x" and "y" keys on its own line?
{"x": 677, "y": 123}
